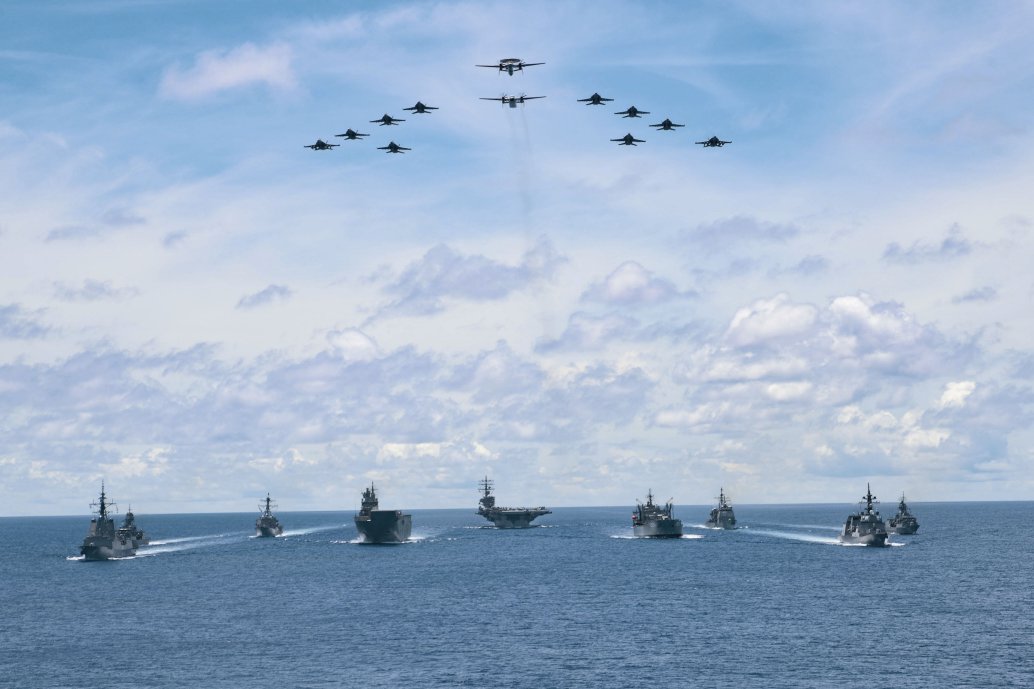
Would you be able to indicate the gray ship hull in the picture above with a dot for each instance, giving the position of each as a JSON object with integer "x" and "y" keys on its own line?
{"x": 722, "y": 520}
{"x": 512, "y": 519}
{"x": 268, "y": 531}
{"x": 664, "y": 528}
{"x": 384, "y": 526}
{"x": 905, "y": 527}
{"x": 97, "y": 549}
{"x": 876, "y": 540}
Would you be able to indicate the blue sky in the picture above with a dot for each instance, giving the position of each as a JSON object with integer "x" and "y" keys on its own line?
{"x": 197, "y": 309}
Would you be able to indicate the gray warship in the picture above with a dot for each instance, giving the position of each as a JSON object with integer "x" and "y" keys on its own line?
{"x": 267, "y": 525}
{"x": 103, "y": 541}
{"x": 653, "y": 521}
{"x": 506, "y": 517}
{"x": 866, "y": 527}
{"x": 904, "y": 522}
{"x": 722, "y": 517}
{"x": 381, "y": 526}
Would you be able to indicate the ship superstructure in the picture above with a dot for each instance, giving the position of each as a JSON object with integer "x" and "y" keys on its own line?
{"x": 103, "y": 541}
{"x": 904, "y": 522}
{"x": 381, "y": 526}
{"x": 506, "y": 517}
{"x": 130, "y": 530}
{"x": 865, "y": 527}
{"x": 651, "y": 520}
{"x": 267, "y": 525}
{"x": 722, "y": 517}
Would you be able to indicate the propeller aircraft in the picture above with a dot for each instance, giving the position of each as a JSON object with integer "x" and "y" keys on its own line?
{"x": 512, "y": 101}
{"x": 511, "y": 65}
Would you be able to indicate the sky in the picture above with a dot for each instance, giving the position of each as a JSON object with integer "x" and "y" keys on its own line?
{"x": 196, "y": 309}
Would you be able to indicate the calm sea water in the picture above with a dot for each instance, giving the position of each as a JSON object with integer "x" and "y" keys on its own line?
{"x": 575, "y": 602}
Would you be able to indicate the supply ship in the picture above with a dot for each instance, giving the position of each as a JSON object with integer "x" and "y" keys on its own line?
{"x": 653, "y": 521}
{"x": 381, "y": 526}
{"x": 506, "y": 517}
{"x": 267, "y": 525}
{"x": 866, "y": 527}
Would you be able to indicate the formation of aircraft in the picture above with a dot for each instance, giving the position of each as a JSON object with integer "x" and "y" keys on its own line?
{"x": 511, "y": 65}
{"x": 387, "y": 119}
{"x": 352, "y": 135}
{"x": 713, "y": 142}
{"x": 632, "y": 112}
{"x": 594, "y": 99}
{"x": 321, "y": 145}
{"x": 393, "y": 147}
{"x": 629, "y": 140}
{"x": 512, "y": 101}
{"x": 667, "y": 125}
{"x": 420, "y": 109}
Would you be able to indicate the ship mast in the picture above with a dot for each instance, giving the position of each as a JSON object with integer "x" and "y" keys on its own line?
{"x": 103, "y": 505}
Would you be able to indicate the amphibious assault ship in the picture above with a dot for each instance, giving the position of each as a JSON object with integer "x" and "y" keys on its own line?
{"x": 904, "y": 522}
{"x": 865, "y": 527}
{"x": 381, "y": 526}
{"x": 267, "y": 525}
{"x": 103, "y": 541}
{"x": 506, "y": 517}
{"x": 722, "y": 517}
{"x": 653, "y": 521}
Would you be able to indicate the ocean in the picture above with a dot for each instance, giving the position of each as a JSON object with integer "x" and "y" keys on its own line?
{"x": 573, "y": 602}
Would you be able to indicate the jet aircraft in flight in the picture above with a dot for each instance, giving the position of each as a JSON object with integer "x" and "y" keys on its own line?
{"x": 511, "y": 65}
{"x": 352, "y": 135}
{"x": 321, "y": 145}
{"x": 633, "y": 112}
{"x": 387, "y": 119}
{"x": 393, "y": 147}
{"x": 713, "y": 142}
{"x": 420, "y": 109}
{"x": 594, "y": 99}
{"x": 667, "y": 125}
{"x": 629, "y": 140}
{"x": 512, "y": 101}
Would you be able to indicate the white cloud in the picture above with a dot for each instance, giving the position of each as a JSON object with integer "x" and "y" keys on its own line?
{"x": 770, "y": 319}
{"x": 955, "y": 394}
{"x": 631, "y": 283}
{"x": 217, "y": 71}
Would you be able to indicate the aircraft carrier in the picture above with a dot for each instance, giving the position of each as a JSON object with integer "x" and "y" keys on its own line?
{"x": 267, "y": 525}
{"x": 904, "y": 522}
{"x": 381, "y": 526}
{"x": 653, "y": 521}
{"x": 866, "y": 527}
{"x": 103, "y": 541}
{"x": 506, "y": 517}
{"x": 722, "y": 517}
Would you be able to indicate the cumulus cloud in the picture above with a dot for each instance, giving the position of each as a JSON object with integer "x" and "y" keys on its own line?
{"x": 631, "y": 283}
{"x": 445, "y": 273}
{"x": 217, "y": 71}
{"x": 768, "y": 319}
{"x": 268, "y": 295}
{"x": 955, "y": 394}
{"x": 353, "y": 344}
{"x": 92, "y": 290}
{"x": 955, "y": 245}
{"x": 18, "y": 324}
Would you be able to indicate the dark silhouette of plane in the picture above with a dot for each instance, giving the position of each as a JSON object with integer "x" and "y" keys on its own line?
{"x": 633, "y": 112}
{"x": 512, "y": 101}
{"x": 352, "y": 135}
{"x": 511, "y": 65}
{"x": 393, "y": 147}
{"x": 629, "y": 140}
{"x": 420, "y": 109}
{"x": 713, "y": 142}
{"x": 667, "y": 125}
{"x": 387, "y": 119}
{"x": 594, "y": 99}
{"x": 321, "y": 145}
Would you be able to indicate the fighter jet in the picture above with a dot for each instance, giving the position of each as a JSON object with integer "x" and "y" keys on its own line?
{"x": 387, "y": 119}
{"x": 713, "y": 142}
{"x": 632, "y": 112}
{"x": 512, "y": 101}
{"x": 420, "y": 109}
{"x": 667, "y": 125}
{"x": 594, "y": 99}
{"x": 321, "y": 145}
{"x": 511, "y": 65}
{"x": 352, "y": 135}
{"x": 393, "y": 147}
{"x": 629, "y": 140}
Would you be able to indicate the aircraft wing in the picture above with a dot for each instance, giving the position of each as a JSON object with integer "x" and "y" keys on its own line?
{"x": 490, "y": 66}
{"x": 531, "y": 64}
{"x": 532, "y": 97}
{"x": 640, "y": 141}
{"x": 501, "y": 100}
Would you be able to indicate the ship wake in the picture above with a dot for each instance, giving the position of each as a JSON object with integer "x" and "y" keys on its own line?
{"x": 795, "y": 536}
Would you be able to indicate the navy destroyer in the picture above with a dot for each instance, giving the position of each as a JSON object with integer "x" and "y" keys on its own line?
{"x": 506, "y": 517}
{"x": 653, "y": 521}
{"x": 130, "y": 530}
{"x": 267, "y": 525}
{"x": 722, "y": 517}
{"x": 381, "y": 526}
{"x": 904, "y": 522}
{"x": 103, "y": 541}
{"x": 866, "y": 527}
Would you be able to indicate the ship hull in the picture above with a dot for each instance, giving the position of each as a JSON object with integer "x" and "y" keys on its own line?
{"x": 384, "y": 526}
{"x": 268, "y": 531}
{"x": 905, "y": 528}
{"x": 667, "y": 528}
{"x": 512, "y": 519}
{"x": 722, "y": 521}
{"x": 96, "y": 550}
{"x": 874, "y": 540}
